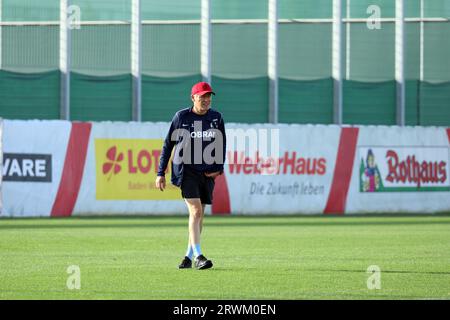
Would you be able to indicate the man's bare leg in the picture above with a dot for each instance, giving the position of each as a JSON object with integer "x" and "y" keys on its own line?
{"x": 203, "y": 215}
{"x": 196, "y": 214}
{"x": 190, "y": 245}
{"x": 189, "y": 251}
{"x": 195, "y": 208}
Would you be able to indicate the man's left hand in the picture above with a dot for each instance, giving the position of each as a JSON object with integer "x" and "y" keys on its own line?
{"x": 212, "y": 174}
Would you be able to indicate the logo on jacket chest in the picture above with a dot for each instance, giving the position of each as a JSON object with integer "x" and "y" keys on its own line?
{"x": 203, "y": 134}
{"x": 196, "y": 129}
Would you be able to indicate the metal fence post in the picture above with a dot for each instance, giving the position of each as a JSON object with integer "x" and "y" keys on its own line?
{"x": 337, "y": 61}
{"x": 348, "y": 43}
{"x": 1, "y": 28}
{"x": 136, "y": 59}
{"x": 273, "y": 60}
{"x": 205, "y": 24}
{"x": 421, "y": 71}
{"x": 400, "y": 61}
{"x": 64, "y": 59}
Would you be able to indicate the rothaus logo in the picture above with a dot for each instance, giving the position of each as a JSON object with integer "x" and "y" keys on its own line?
{"x": 20, "y": 167}
{"x": 412, "y": 170}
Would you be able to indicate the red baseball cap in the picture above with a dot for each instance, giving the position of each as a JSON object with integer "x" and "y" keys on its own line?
{"x": 201, "y": 88}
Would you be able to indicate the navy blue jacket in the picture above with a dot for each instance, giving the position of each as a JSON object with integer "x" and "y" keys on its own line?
{"x": 190, "y": 122}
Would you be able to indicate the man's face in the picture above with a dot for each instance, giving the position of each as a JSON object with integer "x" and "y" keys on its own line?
{"x": 202, "y": 103}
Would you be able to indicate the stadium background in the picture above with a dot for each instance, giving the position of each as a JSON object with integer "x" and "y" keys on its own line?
{"x": 101, "y": 79}
{"x": 255, "y": 257}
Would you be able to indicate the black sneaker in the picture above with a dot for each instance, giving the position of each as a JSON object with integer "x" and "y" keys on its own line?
{"x": 185, "y": 264}
{"x": 202, "y": 263}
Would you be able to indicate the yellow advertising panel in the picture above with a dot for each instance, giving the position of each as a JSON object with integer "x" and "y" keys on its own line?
{"x": 126, "y": 170}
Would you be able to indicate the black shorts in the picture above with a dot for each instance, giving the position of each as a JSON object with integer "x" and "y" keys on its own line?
{"x": 196, "y": 185}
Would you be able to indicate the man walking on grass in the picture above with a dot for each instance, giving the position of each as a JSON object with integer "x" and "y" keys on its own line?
{"x": 198, "y": 136}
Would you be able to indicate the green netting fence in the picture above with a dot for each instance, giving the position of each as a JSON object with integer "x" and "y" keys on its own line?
{"x": 101, "y": 80}
{"x": 163, "y": 96}
{"x": 304, "y": 101}
{"x": 29, "y": 95}
{"x": 100, "y": 98}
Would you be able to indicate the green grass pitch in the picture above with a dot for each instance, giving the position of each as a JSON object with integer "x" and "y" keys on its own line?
{"x": 255, "y": 257}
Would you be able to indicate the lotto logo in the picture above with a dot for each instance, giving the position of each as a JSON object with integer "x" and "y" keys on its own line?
{"x": 126, "y": 170}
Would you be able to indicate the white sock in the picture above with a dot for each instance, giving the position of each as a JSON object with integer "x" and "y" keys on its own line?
{"x": 189, "y": 252}
{"x": 197, "y": 250}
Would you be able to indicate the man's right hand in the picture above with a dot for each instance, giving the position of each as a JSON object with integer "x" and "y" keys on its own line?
{"x": 160, "y": 183}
